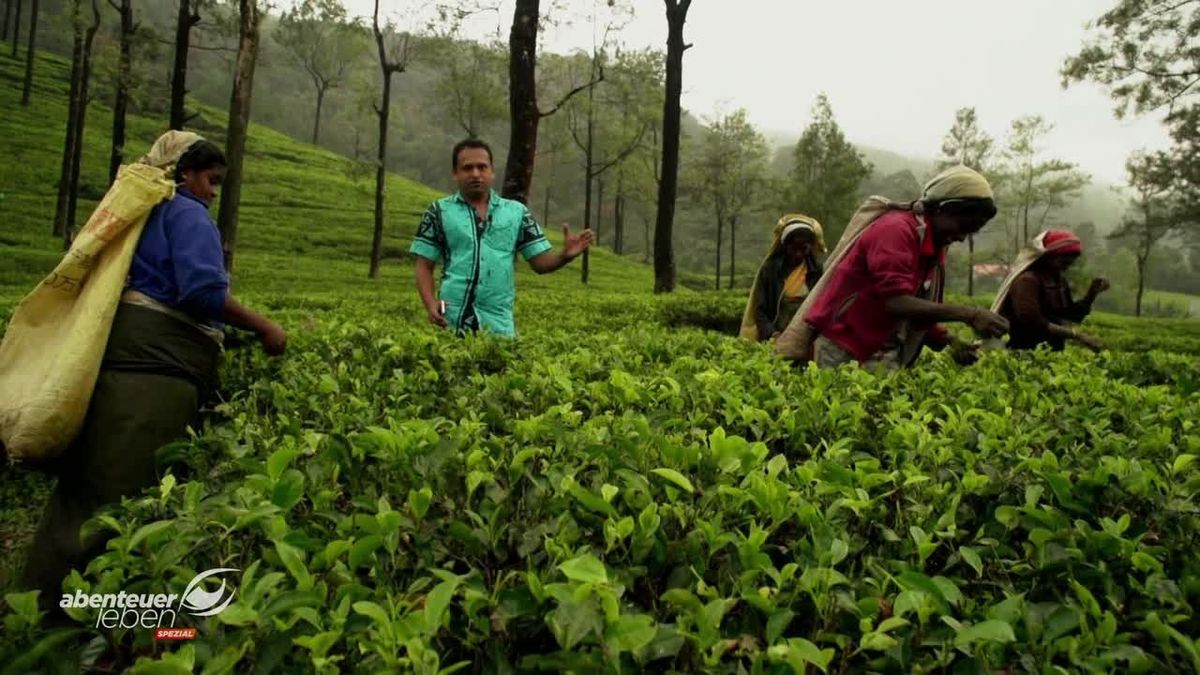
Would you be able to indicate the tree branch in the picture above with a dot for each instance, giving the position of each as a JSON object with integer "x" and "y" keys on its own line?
{"x": 1175, "y": 97}
{"x": 1171, "y": 8}
{"x": 624, "y": 154}
{"x": 202, "y": 48}
{"x": 571, "y": 94}
{"x": 1161, "y": 74}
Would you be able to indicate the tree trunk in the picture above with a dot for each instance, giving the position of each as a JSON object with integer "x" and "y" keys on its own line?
{"x": 316, "y": 135}
{"x": 970, "y": 266}
{"x": 30, "y": 42}
{"x": 664, "y": 252}
{"x": 732, "y": 248}
{"x": 122, "y": 100}
{"x": 522, "y": 101}
{"x": 85, "y": 78}
{"x": 381, "y": 175}
{"x": 183, "y": 35}
{"x": 589, "y": 176}
{"x": 720, "y": 238}
{"x": 8, "y": 7}
{"x": 70, "y": 138}
{"x": 239, "y": 122}
{"x": 1141, "y": 272}
{"x": 646, "y": 247}
{"x": 599, "y": 209}
{"x": 17, "y": 25}
{"x": 619, "y": 217}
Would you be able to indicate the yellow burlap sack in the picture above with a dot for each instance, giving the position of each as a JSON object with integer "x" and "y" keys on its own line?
{"x": 55, "y": 340}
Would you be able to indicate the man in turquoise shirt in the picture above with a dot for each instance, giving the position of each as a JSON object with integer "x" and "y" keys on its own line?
{"x": 475, "y": 235}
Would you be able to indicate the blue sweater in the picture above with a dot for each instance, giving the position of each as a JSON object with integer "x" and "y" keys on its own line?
{"x": 179, "y": 261}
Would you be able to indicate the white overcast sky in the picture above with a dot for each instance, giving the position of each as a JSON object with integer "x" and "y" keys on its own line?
{"x": 895, "y": 70}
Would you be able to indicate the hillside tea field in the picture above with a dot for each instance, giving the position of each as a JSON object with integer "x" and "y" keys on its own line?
{"x": 626, "y": 488}
{"x": 610, "y": 494}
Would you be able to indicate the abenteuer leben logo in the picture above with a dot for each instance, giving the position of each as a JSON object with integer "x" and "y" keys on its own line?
{"x": 158, "y": 610}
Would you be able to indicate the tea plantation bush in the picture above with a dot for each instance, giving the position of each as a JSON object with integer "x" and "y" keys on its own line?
{"x": 625, "y": 488}
{"x": 608, "y": 494}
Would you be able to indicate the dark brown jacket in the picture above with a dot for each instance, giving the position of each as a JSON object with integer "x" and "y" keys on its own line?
{"x": 1036, "y": 300}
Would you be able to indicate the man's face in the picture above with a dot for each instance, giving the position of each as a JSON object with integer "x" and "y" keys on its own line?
{"x": 473, "y": 172}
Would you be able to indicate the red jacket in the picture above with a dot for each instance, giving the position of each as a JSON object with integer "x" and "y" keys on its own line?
{"x": 891, "y": 258}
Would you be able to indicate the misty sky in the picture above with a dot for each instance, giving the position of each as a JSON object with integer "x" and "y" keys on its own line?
{"x": 895, "y": 70}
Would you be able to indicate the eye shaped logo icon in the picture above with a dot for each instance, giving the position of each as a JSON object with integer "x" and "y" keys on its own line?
{"x": 200, "y": 602}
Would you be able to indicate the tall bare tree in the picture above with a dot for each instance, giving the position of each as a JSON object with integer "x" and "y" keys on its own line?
{"x": 30, "y": 46}
{"x": 124, "y": 72}
{"x": 970, "y": 146}
{"x": 522, "y": 100}
{"x": 318, "y": 36}
{"x": 8, "y": 8}
{"x": 1036, "y": 186}
{"x": 596, "y": 162}
{"x": 394, "y": 54}
{"x": 81, "y": 56}
{"x": 471, "y": 88}
{"x": 81, "y": 116}
{"x": 186, "y": 19}
{"x": 524, "y": 112}
{"x": 16, "y": 28}
{"x": 1152, "y": 178}
{"x": 249, "y": 17}
{"x": 668, "y": 186}
{"x": 730, "y": 169}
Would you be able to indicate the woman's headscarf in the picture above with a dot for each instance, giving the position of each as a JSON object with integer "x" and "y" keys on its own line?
{"x": 1050, "y": 243}
{"x": 1060, "y": 242}
{"x": 788, "y": 223}
{"x": 169, "y": 147}
{"x": 956, "y": 182}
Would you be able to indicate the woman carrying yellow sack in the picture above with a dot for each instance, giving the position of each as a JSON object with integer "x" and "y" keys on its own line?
{"x": 790, "y": 269}
{"x": 159, "y": 364}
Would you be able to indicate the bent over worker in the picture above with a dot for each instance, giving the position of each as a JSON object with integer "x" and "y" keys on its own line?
{"x": 475, "y": 234}
{"x": 1036, "y": 297}
{"x": 880, "y": 301}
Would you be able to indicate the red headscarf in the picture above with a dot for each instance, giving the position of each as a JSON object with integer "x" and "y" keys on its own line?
{"x": 1061, "y": 242}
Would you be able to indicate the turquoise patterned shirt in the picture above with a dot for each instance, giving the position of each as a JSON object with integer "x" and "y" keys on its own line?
{"x": 477, "y": 258}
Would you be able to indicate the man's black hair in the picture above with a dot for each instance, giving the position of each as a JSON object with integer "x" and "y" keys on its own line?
{"x": 469, "y": 143}
{"x": 200, "y": 156}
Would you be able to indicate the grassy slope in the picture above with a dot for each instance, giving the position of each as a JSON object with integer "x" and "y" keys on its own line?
{"x": 1182, "y": 301}
{"x": 298, "y": 201}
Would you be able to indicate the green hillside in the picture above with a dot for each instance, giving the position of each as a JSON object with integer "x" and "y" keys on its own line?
{"x": 299, "y": 202}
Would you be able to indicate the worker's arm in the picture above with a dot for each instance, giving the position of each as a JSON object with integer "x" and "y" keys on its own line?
{"x": 425, "y": 289}
{"x": 1025, "y": 299}
{"x": 270, "y": 334}
{"x": 573, "y": 246}
{"x": 913, "y": 308}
